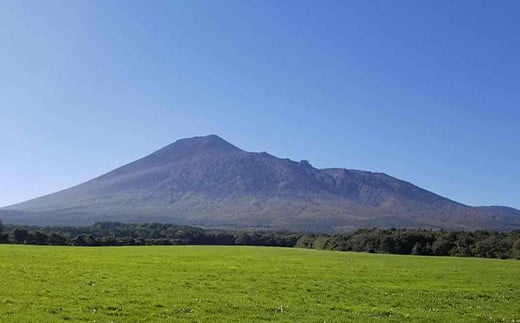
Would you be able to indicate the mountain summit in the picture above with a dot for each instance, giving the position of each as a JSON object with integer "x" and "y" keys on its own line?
{"x": 206, "y": 181}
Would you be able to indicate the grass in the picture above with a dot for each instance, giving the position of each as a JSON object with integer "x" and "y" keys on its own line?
{"x": 250, "y": 284}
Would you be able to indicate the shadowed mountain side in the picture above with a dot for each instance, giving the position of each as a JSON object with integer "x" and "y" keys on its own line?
{"x": 208, "y": 182}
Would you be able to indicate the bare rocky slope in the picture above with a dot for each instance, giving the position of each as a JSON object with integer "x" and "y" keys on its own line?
{"x": 208, "y": 182}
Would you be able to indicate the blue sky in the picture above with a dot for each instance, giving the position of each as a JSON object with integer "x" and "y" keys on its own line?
{"x": 427, "y": 91}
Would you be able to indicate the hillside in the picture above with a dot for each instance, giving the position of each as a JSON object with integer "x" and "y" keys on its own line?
{"x": 208, "y": 182}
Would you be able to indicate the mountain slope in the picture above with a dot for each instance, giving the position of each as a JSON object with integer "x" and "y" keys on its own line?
{"x": 206, "y": 181}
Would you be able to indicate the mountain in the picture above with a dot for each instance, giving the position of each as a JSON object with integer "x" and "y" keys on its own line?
{"x": 208, "y": 182}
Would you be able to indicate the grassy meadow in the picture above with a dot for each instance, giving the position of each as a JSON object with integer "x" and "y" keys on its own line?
{"x": 250, "y": 284}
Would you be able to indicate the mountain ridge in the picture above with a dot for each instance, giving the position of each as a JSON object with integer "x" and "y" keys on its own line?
{"x": 207, "y": 181}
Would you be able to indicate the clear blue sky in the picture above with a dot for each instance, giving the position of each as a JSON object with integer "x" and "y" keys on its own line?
{"x": 427, "y": 91}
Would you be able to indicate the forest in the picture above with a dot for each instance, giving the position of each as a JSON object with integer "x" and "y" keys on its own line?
{"x": 427, "y": 242}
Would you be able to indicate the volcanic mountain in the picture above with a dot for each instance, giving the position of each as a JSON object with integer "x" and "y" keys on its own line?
{"x": 208, "y": 182}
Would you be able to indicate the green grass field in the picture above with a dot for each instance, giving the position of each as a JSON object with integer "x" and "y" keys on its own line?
{"x": 250, "y": 284}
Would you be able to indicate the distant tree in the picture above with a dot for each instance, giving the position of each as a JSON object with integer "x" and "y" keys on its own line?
{"x": 316, "y": 242}
{"x": 370, "y": 247}
{"x": 387, "y": 244}
{"x": 243, "y": 238}
{"x": 3, "y": 237}
{"x": 418, "y": 249}
{"x": 493, "y": 246}
{"x": 515, "y": 252}
{"x": 38, "y": 238}
{"x": 57, "y": 239}
{"x": 338, "y": 242}
{"x": 462, "y": 246}
{"x": 365, "y": 241}
{"x": 403, "y": 242}
{"x": 443, "y": 244}
{"x": 223, "y": 238}
{"x": 107, "y": 241}
{"x": 84, "y": 240}
{"x": 20, "y": 235}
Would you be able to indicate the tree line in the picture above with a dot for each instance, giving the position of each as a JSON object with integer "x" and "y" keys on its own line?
{"x": 486, "y": 244}
{"x": 135, "y": 234}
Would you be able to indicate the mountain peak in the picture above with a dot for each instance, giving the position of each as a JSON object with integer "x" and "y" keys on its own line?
{"x": 209, "y": 142}
{"x": 211, "y": 145}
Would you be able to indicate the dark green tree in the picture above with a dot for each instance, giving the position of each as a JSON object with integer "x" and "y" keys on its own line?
{"x": 493, "y": 246}
{"x": 462, "y": 246}
{"x": 57, "y": 239}
{"x": 20, "y": 235}
{"x": 3, "y": 236}
{"x": 38, "y": 238}
{"x": 387, "y": 244}
{"x": 443, "y": 244}
{"x": 418, "y": 249}
{"x": 515, "y": 252}
{"x": 84, "y": 240}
